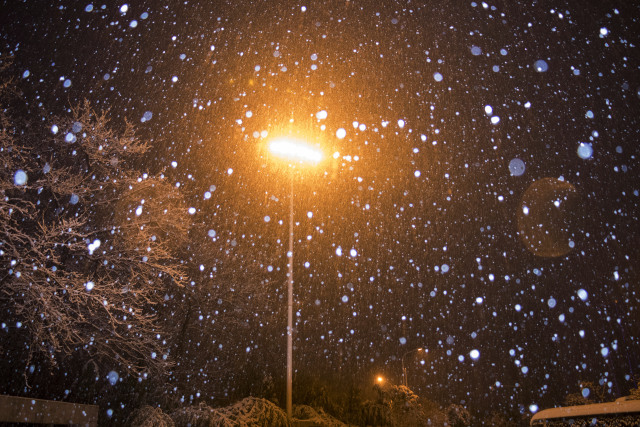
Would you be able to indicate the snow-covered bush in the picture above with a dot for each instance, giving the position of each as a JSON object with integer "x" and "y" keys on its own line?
{"x": 315, "y": 415}
{"x": 148, "y": 416}
{"x": 395, "y": 405}
{"x": 250, "y": 411}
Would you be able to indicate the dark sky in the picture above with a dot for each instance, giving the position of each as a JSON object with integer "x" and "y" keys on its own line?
{"x": 423, "y": 230}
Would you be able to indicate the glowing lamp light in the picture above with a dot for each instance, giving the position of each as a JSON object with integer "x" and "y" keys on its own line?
{"x": 293, "y": 149}
{"x": 380, "y": 379}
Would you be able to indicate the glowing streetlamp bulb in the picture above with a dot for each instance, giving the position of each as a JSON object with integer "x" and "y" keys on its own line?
{"x": 380, "y": 379}
{"x": 295, "y": 150}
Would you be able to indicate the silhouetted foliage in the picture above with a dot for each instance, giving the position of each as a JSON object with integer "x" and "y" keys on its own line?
{"x": 635, "y": 392}
{"x": 589, "y": 393}
{"x": 458, "y": 416}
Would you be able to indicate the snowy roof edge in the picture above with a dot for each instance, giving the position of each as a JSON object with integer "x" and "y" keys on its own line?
{"x": 617, "y": 407}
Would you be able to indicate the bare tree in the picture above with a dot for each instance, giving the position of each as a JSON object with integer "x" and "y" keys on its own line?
{"x": 87, "y": 242}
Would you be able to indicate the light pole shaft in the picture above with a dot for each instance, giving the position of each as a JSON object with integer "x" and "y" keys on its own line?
{"x": 290, "y": 308}
{"x": 404, "y": 369}
{"x": 404, "y": 374}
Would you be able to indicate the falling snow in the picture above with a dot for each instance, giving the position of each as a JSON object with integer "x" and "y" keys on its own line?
{"x": 473, "y": 216}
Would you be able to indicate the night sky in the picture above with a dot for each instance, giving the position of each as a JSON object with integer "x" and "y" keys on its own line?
{"x": 482, "y": 203}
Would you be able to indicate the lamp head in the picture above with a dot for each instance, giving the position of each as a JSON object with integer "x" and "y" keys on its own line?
{"x": 295, "y": 150}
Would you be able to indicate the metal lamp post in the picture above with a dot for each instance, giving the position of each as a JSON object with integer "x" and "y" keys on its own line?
{"x": 290, "y": 307}
{"x": 301, "y": 153}
{"x": 404, "y": 369}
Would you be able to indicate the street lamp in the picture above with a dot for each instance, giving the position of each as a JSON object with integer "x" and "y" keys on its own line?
{"x": 404, "y": 369}
{"x": 301, "y": 153}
